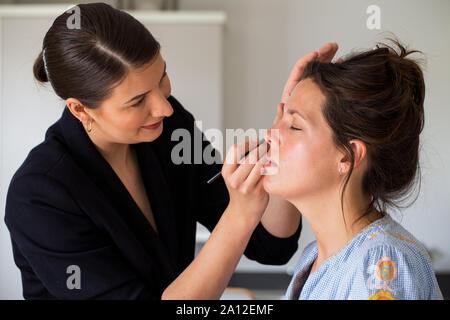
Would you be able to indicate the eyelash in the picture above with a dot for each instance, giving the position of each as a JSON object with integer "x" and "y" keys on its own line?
{"x": 293, "y": 128}
{"x": 140, "y": 101}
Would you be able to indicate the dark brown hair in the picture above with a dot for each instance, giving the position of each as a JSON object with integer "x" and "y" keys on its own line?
{"x": 377, "y": 97}
{"x": 86, "y": 63}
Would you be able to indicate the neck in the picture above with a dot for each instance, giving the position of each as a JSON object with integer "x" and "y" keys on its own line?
{"x": 117, "y": 154}
{"x": 327, "y": 220}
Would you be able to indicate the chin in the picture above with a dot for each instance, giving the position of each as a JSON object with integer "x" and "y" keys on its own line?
{"x": 271, "y": 185}
{"x": 277, "y": 186}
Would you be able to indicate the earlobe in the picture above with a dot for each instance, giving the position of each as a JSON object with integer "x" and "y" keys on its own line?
{"x": 344, "y": 168}
{"x": 344, "y": 162}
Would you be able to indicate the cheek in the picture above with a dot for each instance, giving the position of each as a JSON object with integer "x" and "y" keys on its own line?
{"x": 297, "y": 165}
{"x": 121, "y": 123}
{"x": 303, "y": 167}
{"x": 292, "y": 160}
{"x": 133, "y": 119}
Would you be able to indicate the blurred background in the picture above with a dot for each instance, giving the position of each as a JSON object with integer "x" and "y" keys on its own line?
{"x": 228, "y": 61}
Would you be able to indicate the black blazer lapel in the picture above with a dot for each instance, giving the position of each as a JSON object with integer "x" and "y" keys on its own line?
{"x": 101, "y": 174}
{"x": 160, "y": 198}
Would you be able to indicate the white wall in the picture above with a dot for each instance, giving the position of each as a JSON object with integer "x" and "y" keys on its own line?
{"x": 263, "y": 39}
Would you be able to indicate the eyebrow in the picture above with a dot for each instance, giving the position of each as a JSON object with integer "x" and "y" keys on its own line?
{"x": 143, "y": 94}
{"x": 291, "y": 111}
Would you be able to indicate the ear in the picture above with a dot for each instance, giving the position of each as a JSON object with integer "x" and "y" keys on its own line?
{"x": 359, "y": 152}
{"x": 78, "y": 110}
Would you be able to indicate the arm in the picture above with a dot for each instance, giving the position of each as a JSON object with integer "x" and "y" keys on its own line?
{"x": 396, "y": 272}
{"x": 208, "y": 275}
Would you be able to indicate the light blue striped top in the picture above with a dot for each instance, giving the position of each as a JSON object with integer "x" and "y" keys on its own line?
{"x": 383, "y": 261}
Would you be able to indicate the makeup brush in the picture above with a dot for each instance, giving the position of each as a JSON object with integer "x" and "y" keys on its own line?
{"x": 242, "y": 157}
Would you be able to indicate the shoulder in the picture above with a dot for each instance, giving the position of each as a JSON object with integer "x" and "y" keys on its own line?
{"x": 34, "y": 184}
{"x": 395, "y": 265}
{"x": 42, "y": 158}
{"x": 35, "y": 201}
{"x": 308, "y": 255}
{"x": 178, "y": 107}
{"x": 310, "y": 249}
{"x": 39, "y": 167}
{"x": 180, "y": 117}
{"x": 40, "y": 181}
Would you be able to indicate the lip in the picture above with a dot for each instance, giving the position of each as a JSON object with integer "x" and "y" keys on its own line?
{"x": 153, "y": 126}
{"x": 270, "y": 163}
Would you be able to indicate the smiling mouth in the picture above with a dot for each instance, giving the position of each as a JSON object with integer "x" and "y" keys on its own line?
{"x": 153, "y": 126}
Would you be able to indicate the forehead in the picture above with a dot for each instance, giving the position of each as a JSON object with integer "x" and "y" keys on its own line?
{"x": 142, "y": 79}
{"x": 307, "y": 99}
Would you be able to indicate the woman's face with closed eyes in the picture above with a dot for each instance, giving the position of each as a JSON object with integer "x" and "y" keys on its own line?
{"x": 302, "y": 151}
{"x": 135, "y": 111}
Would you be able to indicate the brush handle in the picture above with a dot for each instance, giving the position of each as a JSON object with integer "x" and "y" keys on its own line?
{"x": 242, "y": 157}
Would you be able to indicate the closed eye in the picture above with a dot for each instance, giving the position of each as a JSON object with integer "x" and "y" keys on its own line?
{"x": 294, "y": 128}
{"x": 139, "y": 102}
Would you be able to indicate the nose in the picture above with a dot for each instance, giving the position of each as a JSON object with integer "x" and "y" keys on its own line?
{"x": 160, "y": 107}
{"x": 273, "y": 134}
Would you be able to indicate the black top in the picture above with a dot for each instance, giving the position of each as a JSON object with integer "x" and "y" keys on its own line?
{"x": 66, "y": 206}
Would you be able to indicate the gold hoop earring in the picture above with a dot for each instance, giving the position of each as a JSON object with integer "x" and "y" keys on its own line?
{"x": 89, "y": 129}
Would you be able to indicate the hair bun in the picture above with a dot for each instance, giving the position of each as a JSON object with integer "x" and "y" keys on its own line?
{"x": 39, "y": 69}
{"x": 409, "y": 71}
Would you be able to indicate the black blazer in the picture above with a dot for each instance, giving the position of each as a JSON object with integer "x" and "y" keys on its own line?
{"x": 66, "y": 206}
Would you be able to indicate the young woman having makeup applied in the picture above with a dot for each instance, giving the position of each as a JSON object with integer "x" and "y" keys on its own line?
{"x": 348, "y": 149}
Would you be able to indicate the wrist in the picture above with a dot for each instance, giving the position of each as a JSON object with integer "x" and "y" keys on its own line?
{"x": 243, "y": 217}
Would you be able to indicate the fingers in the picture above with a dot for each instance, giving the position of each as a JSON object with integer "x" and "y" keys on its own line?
{"x": 247, "y": 178}
{"x": 327, "y": 52}
{"x": 237, "y": 172}
{"x": 324, "y": 54}
{"x": 254, "y": 179}
{"x": 235, "y": 153}
{"x": 296, "y": 74}
{"x": 253, "y": 156}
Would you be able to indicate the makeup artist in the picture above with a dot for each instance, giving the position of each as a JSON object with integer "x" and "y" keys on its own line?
{"x": 99, "y": 211}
